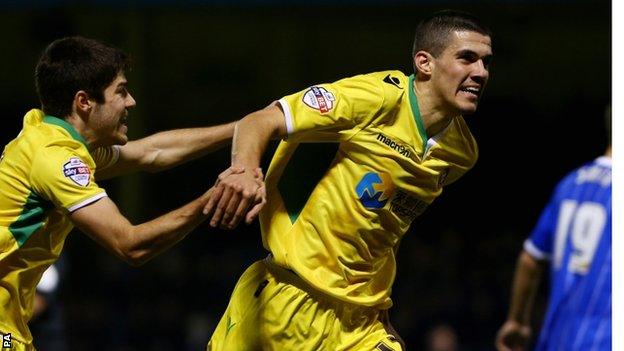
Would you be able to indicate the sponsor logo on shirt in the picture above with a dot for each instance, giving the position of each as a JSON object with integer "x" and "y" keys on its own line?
{"x": 374, "y": 189}
{"x": 319, "y": 99}
{"x": 77, "y": 171}
{"x": 442, "y": 177}
{"x": 407, "y": 207}
{"x": 401, "y": 149}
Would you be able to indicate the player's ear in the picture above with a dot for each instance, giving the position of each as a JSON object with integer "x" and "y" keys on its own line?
{"x": 82, "y": 102}
{"x": 423, "y": 62}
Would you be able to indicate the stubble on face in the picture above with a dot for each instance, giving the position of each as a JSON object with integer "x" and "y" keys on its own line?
{"x": 461, "y": 71}
{"x": 108, "y": 119}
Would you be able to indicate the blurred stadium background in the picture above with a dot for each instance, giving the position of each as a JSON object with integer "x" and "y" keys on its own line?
{"x": 206, "y": 62}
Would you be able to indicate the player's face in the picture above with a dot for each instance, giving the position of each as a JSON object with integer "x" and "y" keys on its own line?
{"x": 108, "y": 118}
{"x": 461, "y": 71}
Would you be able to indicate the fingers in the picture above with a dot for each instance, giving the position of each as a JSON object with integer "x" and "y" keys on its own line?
{"x": 503, "y": 342}
{"x": 233, "y": 195}
{"x": 214, "y": 197}
{"x": 234, "y": 192}
{"x": 512, "y": 337}
{"x": 500, "y": 346}
{"x": 232, "y": 208}
{"x": 260, "y": 201}
{"x": 226, "y": 197}
{"x": 253, "y": 213}
{"x": 258, "y": 173}
{"x": 243, "y": 206}
{"x": 218, "y": 188}
{"x": 206, "y": 196}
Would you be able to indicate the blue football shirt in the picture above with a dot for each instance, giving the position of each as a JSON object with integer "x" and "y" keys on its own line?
{"x": 574, "y": 233}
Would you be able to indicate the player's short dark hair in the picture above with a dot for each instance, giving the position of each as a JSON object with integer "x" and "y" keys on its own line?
{"x": 432, "y": 33}
{"x": 71, "y": 64}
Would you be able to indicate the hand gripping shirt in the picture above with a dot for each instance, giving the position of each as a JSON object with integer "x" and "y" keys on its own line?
{"x": 353, "y": 173}
{"x": 45, "y": 174}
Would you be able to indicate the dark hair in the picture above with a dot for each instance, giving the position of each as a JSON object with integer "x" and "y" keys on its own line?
{"x": 71, "y": 64}
{"x": 432, "y": 33}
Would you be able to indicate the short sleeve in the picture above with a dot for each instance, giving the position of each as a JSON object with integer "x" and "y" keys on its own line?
{"x": 540, "y": 242}
{"x": 105, "y": 157}
{"x": 335, "y": 110}
{"x": 65, "y": 177}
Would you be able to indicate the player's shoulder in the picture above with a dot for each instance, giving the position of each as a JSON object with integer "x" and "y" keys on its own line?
{"x": 390, "y": 85}
{"x": 394, "y": 79}
{"x": 390, "y": 76}
{"x": 61, "y": 144}
{"x": 44, "y": 143}
{"x": 61, "y": 151}
{"x": 593, "y": 173}
{"x": 597, "y": 168}
{"x": 53, "y": 133}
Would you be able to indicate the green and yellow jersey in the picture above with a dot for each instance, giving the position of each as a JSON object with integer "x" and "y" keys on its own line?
{"x": 355, "y": 170}
{"x": 45, "y": 174}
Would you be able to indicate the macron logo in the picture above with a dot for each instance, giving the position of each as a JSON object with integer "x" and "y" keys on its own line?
{"x": 401, "y": 149}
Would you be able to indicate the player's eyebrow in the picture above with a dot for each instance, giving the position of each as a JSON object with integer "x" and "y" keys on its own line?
{"x": 122, "y": 85}
{"x": 472, "y": 55}
{"x": 466, "y": 53}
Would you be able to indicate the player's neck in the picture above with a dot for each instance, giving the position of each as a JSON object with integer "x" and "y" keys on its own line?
{"x": 81, "y": 127}
{"x": 434, "y": 117}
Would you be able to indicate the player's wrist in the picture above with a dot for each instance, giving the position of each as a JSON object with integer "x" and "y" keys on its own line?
{"x": 246, "y": 170}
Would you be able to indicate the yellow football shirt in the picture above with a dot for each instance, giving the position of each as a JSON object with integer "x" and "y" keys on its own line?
{"x": 45, "y": 174}
{"x": 355, "y": 170}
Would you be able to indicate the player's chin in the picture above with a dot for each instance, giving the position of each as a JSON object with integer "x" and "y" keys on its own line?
{"x": 121, "y": 139}
{"x": 468, "y": 107}
{"x": 122, "y": 134}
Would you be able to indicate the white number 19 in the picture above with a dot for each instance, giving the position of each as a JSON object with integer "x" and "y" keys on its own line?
{"x": 585, "y": 222}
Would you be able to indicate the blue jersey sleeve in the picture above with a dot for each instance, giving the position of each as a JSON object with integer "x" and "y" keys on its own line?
{"x": 540, "y": 242}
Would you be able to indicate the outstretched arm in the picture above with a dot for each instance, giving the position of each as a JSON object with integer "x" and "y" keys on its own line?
{"x": 168, "y": 149}
{"x": 234, "y": 193}
{"x": 515, "y": 333}
{"x": 137, "y": 244}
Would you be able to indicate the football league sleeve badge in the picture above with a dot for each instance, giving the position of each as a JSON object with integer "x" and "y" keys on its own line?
{"x": 77, "y": 171}
{"x": 319, "y": 99}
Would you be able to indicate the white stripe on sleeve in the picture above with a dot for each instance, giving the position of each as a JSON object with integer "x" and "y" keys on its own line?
{"x": 290, "y": 128}
{"x": 88, "y": 201}
{"x": 534, "y": 251}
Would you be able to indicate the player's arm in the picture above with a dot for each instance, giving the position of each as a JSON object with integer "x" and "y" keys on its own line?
{"x": 167, "y": 149}
{"x": 515, "y": 333}
{"x": 335, "y": 109}
{"x": 234, "y": 193}
{"x": 137, "y": 244}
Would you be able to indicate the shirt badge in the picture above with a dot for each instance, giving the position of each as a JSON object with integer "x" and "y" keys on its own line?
{"x": 319, "y": 98}
{"x": 77, "y": 171}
